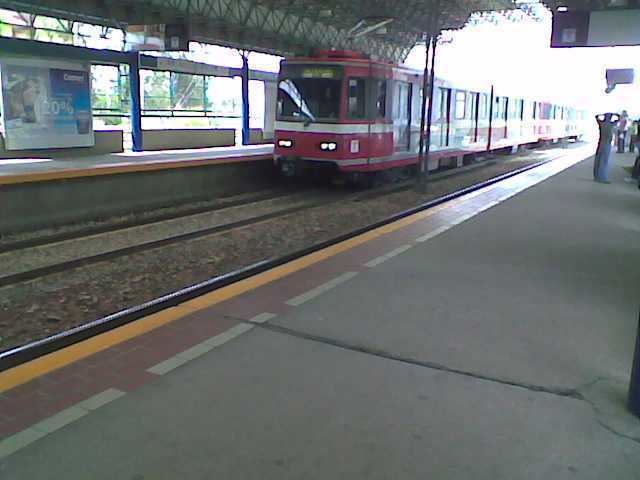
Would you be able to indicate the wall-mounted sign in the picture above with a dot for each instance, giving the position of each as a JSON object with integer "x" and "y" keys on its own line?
{"x": 601, "y": 28}
{"x": 619, "y": 76}
{"x": 46, "y": 104}
{"x": 160, "y": 37}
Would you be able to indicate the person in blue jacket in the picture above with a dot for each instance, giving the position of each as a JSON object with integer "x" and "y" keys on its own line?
{"x": 607, "y": 124}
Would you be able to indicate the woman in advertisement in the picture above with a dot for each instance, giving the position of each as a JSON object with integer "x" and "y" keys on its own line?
{"x": 24, "y": 100}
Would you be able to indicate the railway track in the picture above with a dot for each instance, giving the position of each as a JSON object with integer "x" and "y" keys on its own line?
{"x": 43, "y": 240}
{"x": 292, "y": 205}
{"x": 136, "y": 247}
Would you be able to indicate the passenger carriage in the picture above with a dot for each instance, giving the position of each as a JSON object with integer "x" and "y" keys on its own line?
{"x": 343, "y": 112}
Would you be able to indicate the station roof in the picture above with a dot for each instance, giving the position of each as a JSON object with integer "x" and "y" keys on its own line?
{"x": 385, "y": 29}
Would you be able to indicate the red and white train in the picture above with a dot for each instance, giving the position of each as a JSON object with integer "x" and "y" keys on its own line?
{"x": 342, "y": 110}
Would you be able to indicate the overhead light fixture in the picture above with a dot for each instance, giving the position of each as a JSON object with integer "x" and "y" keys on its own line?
{"x": 365, "y": 26}
{"x": 563, "y": 9}
{"x": 618, "y": 3}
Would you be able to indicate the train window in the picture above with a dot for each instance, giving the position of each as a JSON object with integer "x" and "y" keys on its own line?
{"x": 461, "y": 105}
{"x": 497, "y": 108}
{"x": 381, "y": 98}
{"x": 357, "y": 98}
{"x": 309, "y": 98}
{"x": 483, "y": 105}
{"x": 511, "y": 108}
{"x": 521, "y": 108}
{"x": 401, "y": 102}
{"x": 473, "y": 105}
{"x": 444, "y": 103}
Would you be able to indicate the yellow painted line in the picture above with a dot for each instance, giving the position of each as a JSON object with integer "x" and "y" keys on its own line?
{"x": 128, "y": 167}
{"x": 28, "y": 371}
{"x": 53, "y": 361}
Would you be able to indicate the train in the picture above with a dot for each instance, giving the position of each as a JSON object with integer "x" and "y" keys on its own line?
{"x": 343, "y": 112}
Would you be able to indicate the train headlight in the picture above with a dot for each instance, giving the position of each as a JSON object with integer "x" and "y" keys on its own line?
{"x": 329, "y": 146}
{"x": 285, "y": 143}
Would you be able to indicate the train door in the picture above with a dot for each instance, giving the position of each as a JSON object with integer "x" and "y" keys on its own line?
{"x": 476, "y": 116}
{"x": 507, "y": 115}
{"x": 402, "y": 116}
{"x": 459, "y": 118}
{"x": 498, "y": 121}
{"x": 521, "y": 117}
{"x": 381, "y": 118}
{"x": 484, "y": 105}
{"x": 445, "y": 116}
{"x": 357, "y": 87}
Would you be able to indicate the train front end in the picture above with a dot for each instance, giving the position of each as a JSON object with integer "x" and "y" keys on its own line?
{"x": 315, "y": 131}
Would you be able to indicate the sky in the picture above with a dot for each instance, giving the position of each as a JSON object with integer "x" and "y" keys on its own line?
{"x": 517, "y": 59}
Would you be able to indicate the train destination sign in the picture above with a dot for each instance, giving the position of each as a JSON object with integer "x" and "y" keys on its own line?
{"x": 318, "y": 72}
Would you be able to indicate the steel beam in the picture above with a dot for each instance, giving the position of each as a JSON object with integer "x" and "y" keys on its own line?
{"x": 244, "y": 75}
{"x": 136, "y": 104}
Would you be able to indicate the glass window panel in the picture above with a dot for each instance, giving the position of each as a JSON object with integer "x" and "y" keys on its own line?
{"x": 461, "y": 105}
{"x": 105, "y": 87}
{"x": 357, "y": 98}
{"x": 156, "y": 93}
{"x": 187, "y": 91}
{"x": 309, "y": 98}
{"x": 224, "y": 96}
{"x": 381, "y": 98}
{"x": 256, "y": 104}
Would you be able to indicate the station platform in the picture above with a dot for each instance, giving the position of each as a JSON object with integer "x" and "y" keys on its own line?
{"x": 490, "y": 337}
{"x": 44, "y": 193}
{"x": 26, "y": 170}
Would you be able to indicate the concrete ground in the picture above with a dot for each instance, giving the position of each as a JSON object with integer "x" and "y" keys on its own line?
{"x": 499, "y": 349}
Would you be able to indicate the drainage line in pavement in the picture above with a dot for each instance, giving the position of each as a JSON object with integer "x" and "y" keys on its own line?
{"x": 558, "y": 391}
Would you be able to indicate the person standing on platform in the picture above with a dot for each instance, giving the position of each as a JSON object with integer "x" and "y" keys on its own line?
{"x": 623, "y": 128}
{"x": 607, "y": 125}
{"x": 635, "y": 172}
{"x": 633, "y": 135}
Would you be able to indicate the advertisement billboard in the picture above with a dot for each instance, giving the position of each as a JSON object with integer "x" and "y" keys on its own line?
{"x": 46, "y": 104}
{"x": 601, "y": 28}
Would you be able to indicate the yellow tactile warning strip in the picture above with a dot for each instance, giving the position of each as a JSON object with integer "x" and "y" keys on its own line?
{"x": 128, "y": 167}
{"x": 24, "y": 373}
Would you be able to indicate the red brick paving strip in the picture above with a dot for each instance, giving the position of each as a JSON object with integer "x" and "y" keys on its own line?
{"x": 122, "y": 366}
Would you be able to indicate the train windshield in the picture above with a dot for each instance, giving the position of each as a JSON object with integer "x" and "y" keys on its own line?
{"x": 309, "y": 94}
